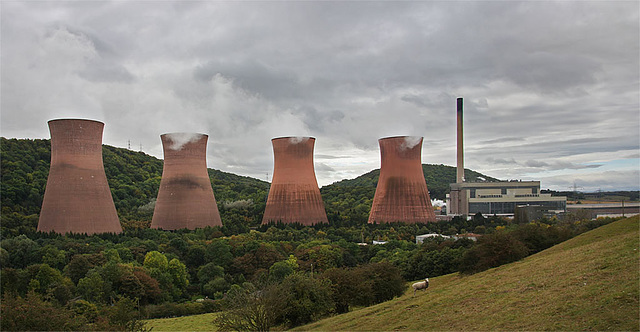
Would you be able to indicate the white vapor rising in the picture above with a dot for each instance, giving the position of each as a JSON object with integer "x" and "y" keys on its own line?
{"x": 179, "y": 140}
{"x": 298, "y": 139}
{"x": 410, "y": 142}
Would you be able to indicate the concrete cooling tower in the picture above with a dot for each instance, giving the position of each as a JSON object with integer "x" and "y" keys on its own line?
{"x": 294, "y": 195}
{"x": 185, "y": 198}
{"x": 77, "y": 198}
{"x": 401, "y": 194}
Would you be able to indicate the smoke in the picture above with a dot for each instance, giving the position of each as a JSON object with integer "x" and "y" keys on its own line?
{"x": 410, "y": 142}
{"x": 178, "y": 140}
{"x": 436, "y": 202}
{"x": 298, "y": 139}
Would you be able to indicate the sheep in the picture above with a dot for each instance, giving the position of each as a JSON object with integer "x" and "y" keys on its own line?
{"x": 420, "y": 285}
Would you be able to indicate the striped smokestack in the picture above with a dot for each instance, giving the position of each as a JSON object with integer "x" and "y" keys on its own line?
{"x": 460, "y": 164}
{"x": 185, "y": 197}
{"x": 77, "y": 198}
{"x": 294, "y": 195}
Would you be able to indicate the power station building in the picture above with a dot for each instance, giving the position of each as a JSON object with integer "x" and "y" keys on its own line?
{"x": 77, "y": 198}
{"x": 500, "y": 198}
{"x": 401, "y": 194}
{"x": 185, "y": 198}
{"x": 294, "y": 196}
{"x": 468, "y": 198}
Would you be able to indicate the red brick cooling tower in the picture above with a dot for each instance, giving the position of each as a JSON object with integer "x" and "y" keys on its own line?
{"x": 294, "y": 195}
{"x": 401, "y": 194}
{"x": 77, "y": 198}
{"x": 185, "y": 198}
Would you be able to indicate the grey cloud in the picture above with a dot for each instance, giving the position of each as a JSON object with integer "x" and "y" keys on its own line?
{"x": 503, "y": 140}
{"x": 535, "y": 163}
{"x": 545, "y": 84}
{"x": 501, "y": 161}
{"x": 272, "y": 83}
{"x": 107, "y": 73}
{"x": 558, "y": 165}
{"x": 322, "y": 167}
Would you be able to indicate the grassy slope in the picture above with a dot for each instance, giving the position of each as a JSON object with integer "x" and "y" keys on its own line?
{"x": 590, "y": 282}
{"x": 202, "y": 322}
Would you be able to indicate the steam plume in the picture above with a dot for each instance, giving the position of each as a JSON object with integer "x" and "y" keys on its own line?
{"x": 181, "y": 139}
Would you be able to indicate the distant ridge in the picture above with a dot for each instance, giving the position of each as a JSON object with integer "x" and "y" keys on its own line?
{"x": 587, "y": 283}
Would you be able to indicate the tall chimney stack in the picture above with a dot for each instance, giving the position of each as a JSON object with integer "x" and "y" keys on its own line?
{"x": 77, "y": 198}
{"x": 460, "y": 164}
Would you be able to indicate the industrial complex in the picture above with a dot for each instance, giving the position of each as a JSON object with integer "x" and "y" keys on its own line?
{"x": 499, "y": 198}
{"x": 78, "y": 200}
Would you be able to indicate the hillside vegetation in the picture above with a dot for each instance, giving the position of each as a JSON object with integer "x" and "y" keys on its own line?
{"x": 587, "y": 283}
{"x": 134, "y": 178}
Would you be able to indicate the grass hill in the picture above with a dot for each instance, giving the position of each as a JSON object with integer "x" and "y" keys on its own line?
{"x": 590, "y": 282}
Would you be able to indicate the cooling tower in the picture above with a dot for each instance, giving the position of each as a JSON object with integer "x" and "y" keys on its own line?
{"x": 185, "y": 198}
{"x": 294, "y": 195}
{"x": 77, "y": 198}
{"x": 401, "y": 194}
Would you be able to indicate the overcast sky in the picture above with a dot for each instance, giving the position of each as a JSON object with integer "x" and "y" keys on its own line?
{"x": 551, "y": 89}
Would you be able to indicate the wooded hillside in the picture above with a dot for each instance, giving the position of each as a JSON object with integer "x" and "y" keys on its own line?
{"x": 134, "y": 179}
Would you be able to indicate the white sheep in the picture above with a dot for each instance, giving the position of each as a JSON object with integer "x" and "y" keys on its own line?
{"x": 420, "y": 285}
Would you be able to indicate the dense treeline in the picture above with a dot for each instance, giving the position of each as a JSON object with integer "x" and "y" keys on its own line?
{"x": 286, "y": 274}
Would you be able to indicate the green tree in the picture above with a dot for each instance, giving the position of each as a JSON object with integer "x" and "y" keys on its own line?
{"x": 178, "y": 272}
{"x": 251, "y": 309}
{"x": 53, "y": 257}
{"x": 209, "y": 272}
{"x": 492, "y": 250}
{"x": 93, "y": 287}
{"x": 280, "y": 270}
{"x": 22, "y": 251}
{"x": 31, "y": 313}
{"x": 387, "y": 281}
{"x": 349, "y": 287}
{"x": 216, "y": 285}
{"x": 305, "y": 299}
{"x": 77, "y": 268}
{"x": 156, "y": 260}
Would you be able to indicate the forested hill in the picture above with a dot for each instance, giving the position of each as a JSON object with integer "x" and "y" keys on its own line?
{"x": 134, "y": 179}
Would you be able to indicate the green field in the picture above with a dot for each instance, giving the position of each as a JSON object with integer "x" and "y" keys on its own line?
{"x": 590, "y": 282}
{"x": 202, "y": 322}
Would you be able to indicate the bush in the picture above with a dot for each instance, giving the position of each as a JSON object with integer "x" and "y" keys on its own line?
{"x": 180, "y": 309}
{"x": 348, "y": 288}
{"x": 31, "y": 313}
{"x": 305, "y": 299}
{"x": 387, "y": 281}
{"x": 249, "y": 309}
{"x": 491, "y": 251}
